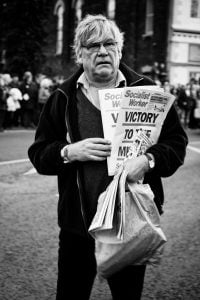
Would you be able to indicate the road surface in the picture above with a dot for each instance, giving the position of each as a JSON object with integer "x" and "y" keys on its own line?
{"x": 28, "y": 236}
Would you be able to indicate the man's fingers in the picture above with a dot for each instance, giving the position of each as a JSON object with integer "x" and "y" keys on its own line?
{"x": 90, "y": 149}
{"x": 100, "y": 147}
{"x": 100, "y": 153}
{"x": 99, "y": 141}
{"x": 97, "y": 158}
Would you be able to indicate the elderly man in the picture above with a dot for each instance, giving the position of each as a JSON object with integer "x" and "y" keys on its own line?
{"x": 69, "y": 143}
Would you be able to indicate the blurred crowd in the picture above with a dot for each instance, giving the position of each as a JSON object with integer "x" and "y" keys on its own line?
{"x": 21, "y": 101}
{"x": 187, "y": 102}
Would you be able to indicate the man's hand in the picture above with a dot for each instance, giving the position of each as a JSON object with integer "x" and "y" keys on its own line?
{"x": 136, "y": 168}
{"x": 97, "y": 149}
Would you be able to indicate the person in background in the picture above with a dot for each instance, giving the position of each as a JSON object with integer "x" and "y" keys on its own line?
{"x": 3, "y": 106}
{"x": 192, "y": 95}
{"x": 7, "y": 79}
{"x": 45, "y": 90}
{"x": 70, "y": 144}
{"x": 167, "y": 86}
{"x": 29, "y": 101}
{"x": 185, "y": 103}
{"x": 13, "y": 106}
{"x": 15, "y": 83}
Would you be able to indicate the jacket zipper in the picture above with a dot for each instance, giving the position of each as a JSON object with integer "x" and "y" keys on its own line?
{"x": 133, "y": 83}
{"x": 81, "y": 202}
{"x": 78, "y": 175}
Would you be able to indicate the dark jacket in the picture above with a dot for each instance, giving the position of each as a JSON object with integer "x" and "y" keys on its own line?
{"x": 32, "y": 90}
{"x": 3, "y": 95}
{"x": 59, "y": 118}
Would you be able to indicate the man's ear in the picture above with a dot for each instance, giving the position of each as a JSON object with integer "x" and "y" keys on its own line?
{"x": 79, "y": 58}
{"x": 120, "y": 54}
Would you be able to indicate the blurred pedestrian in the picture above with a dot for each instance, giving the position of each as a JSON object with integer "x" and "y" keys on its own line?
{"x": 3, "y": 106}
{"x": 29, "y": 101}
{"x": 183, "y": 101}
{"x": 7, "y": 79}
{"x": 13, "y": 106}
{"x": 69, "y": 143}
{"x": 15, "y": 83}
{"x": 192, "y": 95}
{"x": 45, "y": 90}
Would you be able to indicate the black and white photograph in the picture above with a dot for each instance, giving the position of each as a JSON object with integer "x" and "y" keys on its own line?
{"x": 99, "y": 150}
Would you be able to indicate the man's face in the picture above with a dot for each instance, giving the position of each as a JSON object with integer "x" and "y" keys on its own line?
{"x": 100, "y": 60}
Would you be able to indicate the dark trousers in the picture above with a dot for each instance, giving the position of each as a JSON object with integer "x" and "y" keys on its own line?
{"x": 77, "y": 271}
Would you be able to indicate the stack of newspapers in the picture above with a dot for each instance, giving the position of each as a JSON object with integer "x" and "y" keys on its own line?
{"x": 132, "y": 119}
{"x": 104, "y": 226}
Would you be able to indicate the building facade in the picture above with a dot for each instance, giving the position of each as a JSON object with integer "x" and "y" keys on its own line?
{"x": 144, "y": 23}
{"x": 162, "y": 38}
{"x": 183, "y": 61}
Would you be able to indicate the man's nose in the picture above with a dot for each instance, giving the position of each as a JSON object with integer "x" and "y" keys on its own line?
{"x": 102, "y": 50}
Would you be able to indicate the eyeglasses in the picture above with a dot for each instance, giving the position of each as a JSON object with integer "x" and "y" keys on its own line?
{"x": 95, "y": 47}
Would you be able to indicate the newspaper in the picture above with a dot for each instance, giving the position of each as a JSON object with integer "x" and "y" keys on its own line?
{"x": 132, "y": 119}
{"x": 105, "y": 208}
{"x": 108, "y": 222}
{"x": 110, "y": 103}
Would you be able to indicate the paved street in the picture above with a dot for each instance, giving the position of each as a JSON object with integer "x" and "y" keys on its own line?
{"x": 14, "y": 144}
{"x": 28, "y": 222}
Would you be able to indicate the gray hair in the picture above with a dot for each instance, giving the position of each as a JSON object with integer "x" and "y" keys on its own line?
{"x": 94, "y": 27}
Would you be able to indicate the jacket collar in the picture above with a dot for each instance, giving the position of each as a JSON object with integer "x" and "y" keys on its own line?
{"x": 83, "y": 81}
{"x": 131, "y": 76}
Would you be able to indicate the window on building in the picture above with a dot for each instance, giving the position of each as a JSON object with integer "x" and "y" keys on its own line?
{"x": 77, "y": 5}
{"x": 111, "y": 5}
{"x": 194, "y": 53}
{"x": 149, "y": 17}
{"x": 195, "y": 9}
{"x": 59, "y": 12}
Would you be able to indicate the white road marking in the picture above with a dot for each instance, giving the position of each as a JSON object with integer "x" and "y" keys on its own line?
{"x": 195, "y": 142}
{"x": 18, "y": 131}
{"x": 193, "y": 149}
{"x": 31, "y": 172}
{"x": 16, "y": 161}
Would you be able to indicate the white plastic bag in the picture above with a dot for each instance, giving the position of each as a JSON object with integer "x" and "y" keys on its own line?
{"x": 136, "y": 236}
